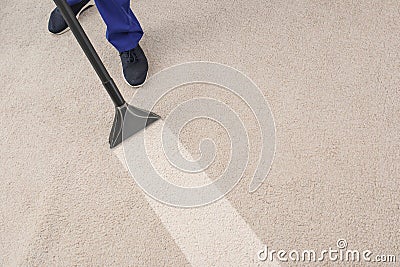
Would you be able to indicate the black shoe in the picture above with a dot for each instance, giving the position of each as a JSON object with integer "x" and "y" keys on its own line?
{"x": 57, "y": 24}
{"x": 134, "y": 66}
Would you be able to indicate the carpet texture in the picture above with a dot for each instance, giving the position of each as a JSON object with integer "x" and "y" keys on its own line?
{"x": 330, "y": 71}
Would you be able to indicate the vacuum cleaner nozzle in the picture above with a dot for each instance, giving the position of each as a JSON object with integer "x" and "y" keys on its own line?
{"x": 129, "y": 120}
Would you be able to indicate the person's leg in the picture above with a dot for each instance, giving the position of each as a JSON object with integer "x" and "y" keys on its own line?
{"x": 73, "y": 2}
{"x": 123, "y": 29}
{"x": 124, "y": 33}
{"x": 57, "y": 24}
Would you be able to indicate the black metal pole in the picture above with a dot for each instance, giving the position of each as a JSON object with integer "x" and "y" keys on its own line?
{"x": 90, "y": 52}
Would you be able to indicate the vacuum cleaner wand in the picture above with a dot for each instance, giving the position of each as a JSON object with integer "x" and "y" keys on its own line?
{"x": 138, "y": 118}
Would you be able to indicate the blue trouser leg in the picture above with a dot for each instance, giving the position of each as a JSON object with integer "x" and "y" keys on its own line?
{"x": 123, "y": 29}
{"x": 73, "y": 2}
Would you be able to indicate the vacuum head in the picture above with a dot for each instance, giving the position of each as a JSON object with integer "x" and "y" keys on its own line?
{"x": 129, "y": 120}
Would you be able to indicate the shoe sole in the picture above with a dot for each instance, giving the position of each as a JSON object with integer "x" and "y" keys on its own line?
{"x": 135, "y": 86}
{"x": 85, "y": 7}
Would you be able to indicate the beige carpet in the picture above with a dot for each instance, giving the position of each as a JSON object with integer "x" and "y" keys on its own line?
{"x": 330, "y": 71}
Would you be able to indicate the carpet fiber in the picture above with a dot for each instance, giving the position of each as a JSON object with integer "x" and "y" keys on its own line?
{"x": 330, "y": 71}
